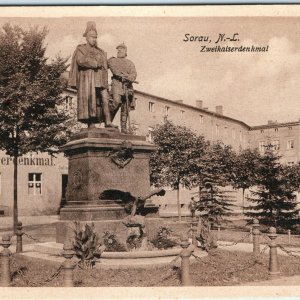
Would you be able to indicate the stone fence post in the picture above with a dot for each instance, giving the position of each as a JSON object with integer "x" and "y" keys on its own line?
{"x": 273, "y": 262}
{"x": 5, "y": 261}
{"x": 193, "y": 235}
{"x": 289, "y": 236}
{"x": 256, "y": 237}
{"x": 19, "y": 234}
{"x": 251, "y": 235}
{"x": 185, "y": 262}
{"x": 68, "y": 265}
{"x": 219, "y": 232}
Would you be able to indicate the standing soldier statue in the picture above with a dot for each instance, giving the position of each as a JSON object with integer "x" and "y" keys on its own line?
{"x": 89, "y": 76}
{"x": 124, "y": 74}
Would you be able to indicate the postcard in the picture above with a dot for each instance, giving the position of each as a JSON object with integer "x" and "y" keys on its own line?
{"x": 149, "y": 152}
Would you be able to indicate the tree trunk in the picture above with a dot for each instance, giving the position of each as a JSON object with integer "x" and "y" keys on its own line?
{"x": 178, "y": 204}
{"x": 15, "y": 214}
{"x": 243, "y": 200}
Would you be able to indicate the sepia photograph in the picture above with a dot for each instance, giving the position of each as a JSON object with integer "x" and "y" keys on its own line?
{"x": 146, "y": 147}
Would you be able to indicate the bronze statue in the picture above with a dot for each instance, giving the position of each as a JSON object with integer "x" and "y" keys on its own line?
{"x": 89, "y": 76}
{"x": 124, "y": 74}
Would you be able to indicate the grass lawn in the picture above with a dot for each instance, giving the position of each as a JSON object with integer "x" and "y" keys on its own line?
{"x": 219, "y": 269}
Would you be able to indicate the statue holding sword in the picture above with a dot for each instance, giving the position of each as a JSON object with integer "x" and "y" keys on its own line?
{"x": 124, "y": 75}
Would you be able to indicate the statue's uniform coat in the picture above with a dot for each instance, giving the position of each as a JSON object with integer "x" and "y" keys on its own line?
{"x": 88, "y": 72}
{"x": 118, "y": 65}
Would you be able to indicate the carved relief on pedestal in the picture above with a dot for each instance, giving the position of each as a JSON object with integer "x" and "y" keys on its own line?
{"x": 77, "y": 180}
{"x": 122, "y": 155}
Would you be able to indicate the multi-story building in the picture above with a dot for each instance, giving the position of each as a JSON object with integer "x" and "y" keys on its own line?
{"x": 152, "y": 110}
{"x": 283, "y": 136}
{"x": 42, "y": 179}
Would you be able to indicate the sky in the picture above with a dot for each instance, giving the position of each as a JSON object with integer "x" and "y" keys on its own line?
{"x": 252, "y": 87}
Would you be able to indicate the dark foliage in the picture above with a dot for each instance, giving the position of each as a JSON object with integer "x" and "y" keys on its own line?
{"x": 86, "y": 244}
{"x": 274, "y": 197}
{"x": 162, "y": 239}
{"x": 111, "y": 243}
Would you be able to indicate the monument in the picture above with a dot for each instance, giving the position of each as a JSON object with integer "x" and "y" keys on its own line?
{"x": 103, "y": 162}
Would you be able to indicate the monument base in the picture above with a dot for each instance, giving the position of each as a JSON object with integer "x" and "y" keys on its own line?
{"x": 107, "y": 169}
{"x": 103, "y": 210}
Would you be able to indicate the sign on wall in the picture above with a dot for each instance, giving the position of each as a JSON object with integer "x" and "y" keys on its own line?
{"x": 28, "y": 161}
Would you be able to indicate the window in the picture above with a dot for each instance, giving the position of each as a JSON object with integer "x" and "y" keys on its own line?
{"x": 225, "y": 131}
{"x": 241, "y": 136}
{"x": 261, "y": 131}
{"x": 150, "y": 135}
{"x": 201, "y": 119}
{"x": 261, "y": 146}
{"x": 290, "y": 144}
{"x": 181, "y": 114}
{"x": 68, "y": 102}
{"x": 34, "y": 183}
{"x": 275, "y": 144}
{"x": 151, "y": 106}
{"x": 233, "y": 133}
{"x": 167, "y": 109}
{"x": 276, "y": 129}
{"x": 290, "y": 128}
{"x": 217, "y": 130}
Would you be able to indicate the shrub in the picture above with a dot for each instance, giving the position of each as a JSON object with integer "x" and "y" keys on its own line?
{"x": 134, "y": 241}
{"x": 111, "y": 243}
{"x": 86, "y": 245}
{"x": 162, "y": 239}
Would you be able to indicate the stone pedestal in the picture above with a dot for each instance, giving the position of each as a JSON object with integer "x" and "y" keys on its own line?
{"x": 104, "y": 160}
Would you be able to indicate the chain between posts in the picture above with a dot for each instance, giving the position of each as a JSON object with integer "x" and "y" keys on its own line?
{"x": 239, "y": 241}
{"x": 32, "y": 283}
{"x": 32, "y": 238}
{"x": 265, "y": 237}
{"x": 252, "y": 261}
{"x": 172, "y": 262}
{"x": 289, "y": 251}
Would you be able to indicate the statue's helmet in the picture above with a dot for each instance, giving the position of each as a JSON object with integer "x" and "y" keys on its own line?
{"x": 90, "y": 29}
{"x": 122, "y": 46}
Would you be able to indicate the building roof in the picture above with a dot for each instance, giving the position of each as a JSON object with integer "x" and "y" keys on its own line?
{"x": 202, "y": 110}
{"x": 275, "y": 125}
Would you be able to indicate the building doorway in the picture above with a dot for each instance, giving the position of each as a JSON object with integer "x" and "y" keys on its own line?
{"x": 64, "y": 184}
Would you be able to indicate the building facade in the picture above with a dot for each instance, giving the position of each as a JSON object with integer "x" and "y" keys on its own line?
{"x": 283, "y": 136}
{"x": 42, "y": 179}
